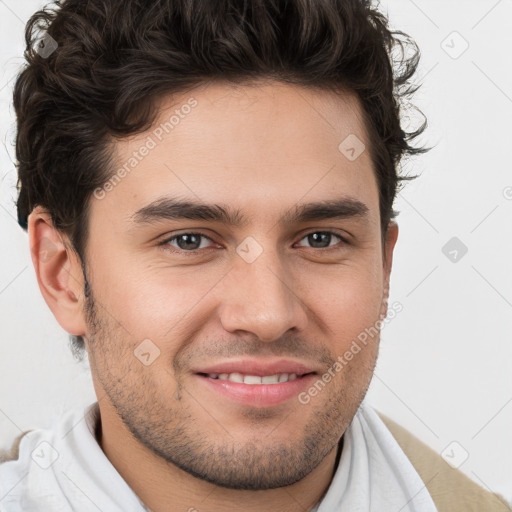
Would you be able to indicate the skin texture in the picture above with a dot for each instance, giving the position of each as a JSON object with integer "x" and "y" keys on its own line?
{"x": 262, "y": 150}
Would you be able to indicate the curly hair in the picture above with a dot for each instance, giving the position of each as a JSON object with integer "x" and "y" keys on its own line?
{"x": 109, "y": 62}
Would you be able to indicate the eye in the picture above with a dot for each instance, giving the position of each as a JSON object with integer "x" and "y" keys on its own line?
{"x": 193, "y": 242}
{"x": 322, "y": 239}
{"x": 188, "y": 242}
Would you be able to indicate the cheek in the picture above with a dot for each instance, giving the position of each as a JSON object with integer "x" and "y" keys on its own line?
{"x": 151, "y": 302}
{"x": 348, "y": 300}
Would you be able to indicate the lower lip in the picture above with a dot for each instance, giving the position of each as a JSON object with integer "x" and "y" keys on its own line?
{"x": 259, "y": 395}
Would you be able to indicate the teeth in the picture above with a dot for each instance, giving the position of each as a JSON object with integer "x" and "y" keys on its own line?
{"x": 254, "y": 379}
{"x": 236, "y": 377}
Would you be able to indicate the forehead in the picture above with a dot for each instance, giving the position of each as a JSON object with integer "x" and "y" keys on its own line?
{"x": 261, "y": 148}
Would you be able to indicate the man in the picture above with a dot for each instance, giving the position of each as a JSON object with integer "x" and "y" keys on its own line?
{"x": 208, "y": 191}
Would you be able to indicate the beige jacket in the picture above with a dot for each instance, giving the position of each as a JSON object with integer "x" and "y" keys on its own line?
{"x": 451, "y": 490}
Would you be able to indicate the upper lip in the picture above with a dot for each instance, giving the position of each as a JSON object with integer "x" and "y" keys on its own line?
{"x": 258, "y": 367}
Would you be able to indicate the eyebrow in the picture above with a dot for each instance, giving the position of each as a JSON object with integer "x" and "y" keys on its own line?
{"x": 169, "y": 208}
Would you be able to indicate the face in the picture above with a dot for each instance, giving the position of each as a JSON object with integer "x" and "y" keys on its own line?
{"x": 209, "y": 327}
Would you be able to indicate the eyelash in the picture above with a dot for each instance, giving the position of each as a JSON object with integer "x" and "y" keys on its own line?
{"x": 196, "y": 251}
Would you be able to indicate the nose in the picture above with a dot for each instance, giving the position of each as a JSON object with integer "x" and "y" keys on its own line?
{"x": 260, "y": 298}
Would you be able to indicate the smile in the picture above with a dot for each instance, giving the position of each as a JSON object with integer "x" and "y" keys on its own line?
{"x": 255, "y": 379}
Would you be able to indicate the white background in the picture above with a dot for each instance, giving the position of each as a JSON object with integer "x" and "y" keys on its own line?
{"x": 445, "y": 367}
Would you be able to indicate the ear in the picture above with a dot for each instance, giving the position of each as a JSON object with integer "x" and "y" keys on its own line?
{"x": 58, "y": 271}
{"x": 389, "y": 246}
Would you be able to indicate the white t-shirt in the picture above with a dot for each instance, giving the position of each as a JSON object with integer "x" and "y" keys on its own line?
{"x": 64, "y": 469}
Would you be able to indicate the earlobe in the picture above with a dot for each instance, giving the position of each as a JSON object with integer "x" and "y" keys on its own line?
{"x": 58, "y": 271}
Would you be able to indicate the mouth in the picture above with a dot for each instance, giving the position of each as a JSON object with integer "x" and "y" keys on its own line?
{"x": 252, "y": 380}
{"x": 257, "y": 383}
